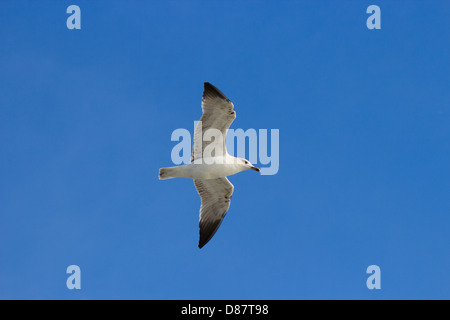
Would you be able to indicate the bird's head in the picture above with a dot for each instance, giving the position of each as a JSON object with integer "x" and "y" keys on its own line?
{"x": 248, "y": 165}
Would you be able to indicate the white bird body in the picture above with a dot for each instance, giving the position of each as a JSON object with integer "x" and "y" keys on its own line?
{"x": 209, "y": 173}
{"x": 210, "y": 168}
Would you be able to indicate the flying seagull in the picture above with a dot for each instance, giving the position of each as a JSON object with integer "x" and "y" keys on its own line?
{"x": 210, "y": 162}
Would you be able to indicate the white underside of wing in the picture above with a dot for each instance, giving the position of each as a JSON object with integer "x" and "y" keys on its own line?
{"x": 218, "y": 114}
{"x": 216, "y": 196}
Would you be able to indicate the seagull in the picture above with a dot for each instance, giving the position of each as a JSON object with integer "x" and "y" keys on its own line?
{"x": 210, "y": 163}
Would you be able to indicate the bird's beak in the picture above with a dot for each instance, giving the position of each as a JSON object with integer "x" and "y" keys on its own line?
{"x": 255, "y": 168}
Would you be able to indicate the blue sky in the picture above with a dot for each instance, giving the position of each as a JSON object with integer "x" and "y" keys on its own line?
{"x": 85, "y": 123}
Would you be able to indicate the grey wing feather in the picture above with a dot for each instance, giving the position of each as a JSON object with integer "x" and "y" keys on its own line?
{"x": 216, "y": 196}
{"x": 218, "y": 113}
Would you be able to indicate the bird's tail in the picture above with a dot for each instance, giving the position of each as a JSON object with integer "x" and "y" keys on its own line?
{"x": 168, "y": 173}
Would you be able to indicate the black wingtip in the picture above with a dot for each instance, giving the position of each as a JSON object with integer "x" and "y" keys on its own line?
{"x": 202, "y": 241}
{"x": 207, "y": 231}
{"x": 212, "y": 92}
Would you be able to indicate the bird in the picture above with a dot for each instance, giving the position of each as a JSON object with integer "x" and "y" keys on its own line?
{"x": 211, "y": 163}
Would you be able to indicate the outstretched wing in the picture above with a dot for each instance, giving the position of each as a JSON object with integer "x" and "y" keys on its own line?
{"x": 216, "y": 196}
{"x": 218, "y": 113}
